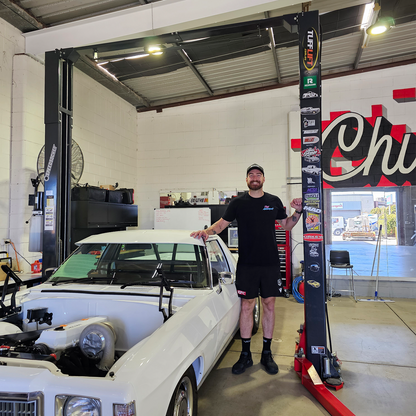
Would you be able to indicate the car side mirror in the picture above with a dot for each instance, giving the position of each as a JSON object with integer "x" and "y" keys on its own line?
{"x": 227, "y": 278}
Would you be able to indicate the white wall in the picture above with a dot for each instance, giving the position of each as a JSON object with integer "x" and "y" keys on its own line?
{"x": 209, "y": 145}
{"x": 105, "y": 127}
{"x": 11, "y": 43}
{"x": 27, "y": 138}
{"x": 359, "y": 92}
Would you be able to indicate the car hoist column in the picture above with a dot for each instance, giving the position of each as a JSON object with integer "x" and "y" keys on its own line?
{"x": 58, "y": 140}
{"x": 313, "y": 229}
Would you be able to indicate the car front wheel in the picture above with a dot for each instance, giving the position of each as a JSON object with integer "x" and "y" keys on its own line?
{"x": 184, "y": 401}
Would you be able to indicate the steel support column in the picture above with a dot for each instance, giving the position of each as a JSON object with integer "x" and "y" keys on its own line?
{"x": 58, "y": 140}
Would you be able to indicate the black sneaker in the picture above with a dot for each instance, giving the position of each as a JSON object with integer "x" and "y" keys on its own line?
{"x": 244, "y": 362}
{"x": 269, "y": 365}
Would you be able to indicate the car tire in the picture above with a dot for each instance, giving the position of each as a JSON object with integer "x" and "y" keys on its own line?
{"x": 256, "y": 317}
{"x": 337, "y": 232}
{"x": 185, "y": 398}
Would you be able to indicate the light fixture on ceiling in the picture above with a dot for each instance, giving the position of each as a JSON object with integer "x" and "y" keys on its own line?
{"x": 367, "y": 15}
{"x": 194, "y": 40}
{"x": 137, "y": 56}
{"x": 382, "y": 25}
{"x": 154, "y": 50}
{"x": 95, "y": 56}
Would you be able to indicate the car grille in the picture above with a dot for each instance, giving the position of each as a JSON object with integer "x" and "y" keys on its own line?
{"x": 21, "y": 404}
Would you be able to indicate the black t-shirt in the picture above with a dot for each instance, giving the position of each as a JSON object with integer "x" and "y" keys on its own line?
{"x": 256, "y": 227}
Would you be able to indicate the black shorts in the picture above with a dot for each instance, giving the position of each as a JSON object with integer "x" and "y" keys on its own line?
{"x": 252, "y": 280}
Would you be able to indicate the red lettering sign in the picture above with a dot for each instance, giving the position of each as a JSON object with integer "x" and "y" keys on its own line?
{"x": 313, "y": 237}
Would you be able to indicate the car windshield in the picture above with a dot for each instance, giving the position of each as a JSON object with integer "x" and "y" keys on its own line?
{"x": 184, "y": 265}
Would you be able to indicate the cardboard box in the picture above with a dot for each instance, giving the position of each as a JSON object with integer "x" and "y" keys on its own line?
{"x": 108, "y": 187}
{"x": 7, "y": 262}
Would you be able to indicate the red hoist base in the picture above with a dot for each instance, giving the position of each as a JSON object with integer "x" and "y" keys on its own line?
{"x": 311, "y": 380}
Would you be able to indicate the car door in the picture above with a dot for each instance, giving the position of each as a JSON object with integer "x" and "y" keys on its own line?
{"x": 226, "y": 301}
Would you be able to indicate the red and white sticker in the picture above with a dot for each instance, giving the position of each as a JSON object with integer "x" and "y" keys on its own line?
{"x": 313, "y": 237}
{"x": 240, "y": 292}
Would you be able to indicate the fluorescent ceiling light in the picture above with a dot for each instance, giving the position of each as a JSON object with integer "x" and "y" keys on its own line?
{"x": 137, "y": 56}
{"x": 368, "y": 11}
{"x": 194, "y": 40}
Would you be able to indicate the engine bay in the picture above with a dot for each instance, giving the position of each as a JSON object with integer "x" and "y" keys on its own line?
{"x": 85, "y": 347}
{"x": 82, "y": 332}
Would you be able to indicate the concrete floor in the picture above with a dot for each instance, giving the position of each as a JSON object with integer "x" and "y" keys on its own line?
{"x": 375, "y": 341}
{"x": 395, "y": 261}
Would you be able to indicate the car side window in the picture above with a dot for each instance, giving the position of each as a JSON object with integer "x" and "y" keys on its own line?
{"x": 218, "y": 261}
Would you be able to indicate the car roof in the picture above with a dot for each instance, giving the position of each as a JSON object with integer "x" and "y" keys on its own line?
{"x": 143, "y": 236}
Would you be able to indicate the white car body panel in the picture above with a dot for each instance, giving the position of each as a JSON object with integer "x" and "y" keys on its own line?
{"x": 155, "y": 354}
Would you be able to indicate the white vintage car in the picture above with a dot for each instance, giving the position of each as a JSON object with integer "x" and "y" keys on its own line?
{"x": 130, "y": 324}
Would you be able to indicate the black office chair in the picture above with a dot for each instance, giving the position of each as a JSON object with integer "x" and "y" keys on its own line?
{"x": 340, "y": 259}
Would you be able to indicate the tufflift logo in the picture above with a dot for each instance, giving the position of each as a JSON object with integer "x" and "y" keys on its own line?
{"x": 50, "y": 163}
{"x": 310, "y": 49}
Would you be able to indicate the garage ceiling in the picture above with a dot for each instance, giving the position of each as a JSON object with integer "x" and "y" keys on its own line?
{"x": 240, "y": 56}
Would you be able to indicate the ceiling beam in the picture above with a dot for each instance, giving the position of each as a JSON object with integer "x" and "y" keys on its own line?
{"x": 180, "y": 37}
{"x": 145, "y": 20}
{"x": 18, "y": 17}
{"x": 188, "y": 62}
{"x": 273, "y": 48}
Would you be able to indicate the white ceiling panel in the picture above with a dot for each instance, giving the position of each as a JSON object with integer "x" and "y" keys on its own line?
{"x": 159, "y": 87}
{"x": 340, "y": 52}
{"x": 239, "y": 71}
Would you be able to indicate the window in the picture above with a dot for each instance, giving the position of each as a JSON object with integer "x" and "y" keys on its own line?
{"x": 360, "y": 219}
{"x": 183, "y": 265}
{"x": 218, "y": 261}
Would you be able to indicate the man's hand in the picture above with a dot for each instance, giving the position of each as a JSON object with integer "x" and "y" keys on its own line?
{"x": 200, "y": 234}
{"x": 297, "y": 204}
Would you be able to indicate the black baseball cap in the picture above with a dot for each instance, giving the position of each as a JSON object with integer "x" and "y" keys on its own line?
{"x": 255, "y": 166}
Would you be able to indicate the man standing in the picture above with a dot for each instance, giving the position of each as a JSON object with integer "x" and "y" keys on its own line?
{"x": 258, "y": 267}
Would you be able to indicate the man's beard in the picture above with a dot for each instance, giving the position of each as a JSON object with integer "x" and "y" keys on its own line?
{"x": 255, "y": 186}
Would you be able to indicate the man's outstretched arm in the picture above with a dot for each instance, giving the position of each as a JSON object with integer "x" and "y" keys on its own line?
{"x": 215, "y": 228}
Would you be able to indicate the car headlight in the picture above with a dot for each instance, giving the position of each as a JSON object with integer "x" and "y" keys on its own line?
{"x": 77, "y": 406}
